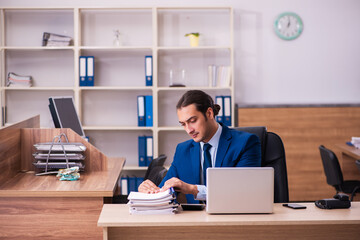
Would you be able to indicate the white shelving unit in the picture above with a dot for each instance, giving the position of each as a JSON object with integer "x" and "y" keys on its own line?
{"x": 108, "y": 111}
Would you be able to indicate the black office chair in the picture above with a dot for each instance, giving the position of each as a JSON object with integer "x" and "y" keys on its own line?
{"x": 157, "y": 174}
{"x": 357, "y": 162}
{"x": 273, "y": 155}
{"x": 334, "y": 176}
{"x": 157, "y": 162}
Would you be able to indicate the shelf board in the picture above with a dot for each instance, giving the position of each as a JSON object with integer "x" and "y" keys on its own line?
{"x": 174, "y": 128}
{"x": 116, "y": 48}
{"x": 38, "y": 48}
{"x": 112, "y": 128}
{"x": 39, "y": 88}
{"x": 191, "y": 88}
{"x": 115, "y": 88}
{"x": 137, "y": 168}
{"x": 194, "y": 48}
{"x": 134, "y": 168}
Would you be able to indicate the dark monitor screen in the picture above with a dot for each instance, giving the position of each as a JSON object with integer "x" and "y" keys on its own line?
{"x": 64, "y": 114}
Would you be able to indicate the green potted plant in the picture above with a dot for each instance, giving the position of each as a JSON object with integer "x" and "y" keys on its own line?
{"x": 194, "y": 38}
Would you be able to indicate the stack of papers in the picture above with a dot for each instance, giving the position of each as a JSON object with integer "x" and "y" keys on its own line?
{"x": 356, "y": 141}
{"x": 16, "y": 80}
{"x": 55, "y": 40}
{"x": 157, "y": 203}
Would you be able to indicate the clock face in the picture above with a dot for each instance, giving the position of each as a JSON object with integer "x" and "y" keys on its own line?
{"x": 288, "y": 26}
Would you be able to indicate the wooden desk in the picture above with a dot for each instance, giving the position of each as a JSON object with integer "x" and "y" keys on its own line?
{"x": 284, "y": 223}
{"x": 347, "y": 161}
{"x": 42, "y": 207}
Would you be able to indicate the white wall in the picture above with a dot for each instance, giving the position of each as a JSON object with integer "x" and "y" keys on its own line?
{"x": 322, "y": 66}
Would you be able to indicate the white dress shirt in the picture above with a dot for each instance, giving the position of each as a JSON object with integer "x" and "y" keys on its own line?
{"x": 214, "y": 142}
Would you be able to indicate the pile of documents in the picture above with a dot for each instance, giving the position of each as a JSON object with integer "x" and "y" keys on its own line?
{"x": 157, "y": 203}
{"x": 355, "y": 141}
{"x": 15, "y": 80}
{"x": 55, "y": 40}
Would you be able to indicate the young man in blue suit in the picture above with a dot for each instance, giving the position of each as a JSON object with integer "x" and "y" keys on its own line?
{"x": 212, "y": 145}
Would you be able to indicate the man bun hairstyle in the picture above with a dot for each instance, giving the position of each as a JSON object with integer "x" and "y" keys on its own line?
{"x": 200, "y": 99}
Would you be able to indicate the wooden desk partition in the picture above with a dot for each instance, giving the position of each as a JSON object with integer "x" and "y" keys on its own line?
{"x": 303, "y": 130}
{"x": 42, "y": 207}
{"x": 348, "y": 157}
{"x": 10, "y": 147}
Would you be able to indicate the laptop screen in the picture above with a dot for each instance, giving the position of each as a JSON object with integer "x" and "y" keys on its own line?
{"x": 65, "y": 113}
{"x": 240, "y": 190}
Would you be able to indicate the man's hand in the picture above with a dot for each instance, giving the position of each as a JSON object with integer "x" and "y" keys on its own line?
{"x": 148, "y": 186}
{"x": 180, "y": 186}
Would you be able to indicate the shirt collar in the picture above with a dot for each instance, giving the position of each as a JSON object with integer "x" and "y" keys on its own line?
{"x": 214, "y": 141}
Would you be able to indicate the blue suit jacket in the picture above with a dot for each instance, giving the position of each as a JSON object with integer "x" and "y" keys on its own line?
{"x": 236, "y": 149}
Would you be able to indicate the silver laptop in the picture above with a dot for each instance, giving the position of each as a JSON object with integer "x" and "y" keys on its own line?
{"x": 240, "y": 190}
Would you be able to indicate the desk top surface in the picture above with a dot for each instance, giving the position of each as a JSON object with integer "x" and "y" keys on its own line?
{"x": 349, "y": 150}
{"x": 94, "y": 184}
{"x": 117, "y": 215}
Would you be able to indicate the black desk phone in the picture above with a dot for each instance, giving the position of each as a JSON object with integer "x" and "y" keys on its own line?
{"x": 339, "y": 201}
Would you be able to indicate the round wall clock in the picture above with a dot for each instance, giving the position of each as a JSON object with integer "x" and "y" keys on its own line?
{"x": 288, "y": 26}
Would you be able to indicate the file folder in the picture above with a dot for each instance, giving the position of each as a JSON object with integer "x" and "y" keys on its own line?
{"x": 124, "y": 186}
{"x": 141, "y": 110}
{"x": 227, "y": 110}
{"x": 149, "y": 111}
{"x": 132, "y": 184}
{"x": 139, "y": 180}
{"x": 148, "y": 71}
{"x": 149, "y": 150}
{"x": 142, "y": 151}
{"x": 82, "y": 71}
{"x": 90, "y": 71}
{"x": 219, "y": 101}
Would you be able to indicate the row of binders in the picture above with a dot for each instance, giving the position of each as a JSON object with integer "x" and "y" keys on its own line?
{"x": 130, "y": 184}
{"x": 219, "y": 76}
{"x": 224, "y": 115}
{"x": 145, "y": 146}
{"x": 145, "y": 110}
{"x": 86, "y": 71}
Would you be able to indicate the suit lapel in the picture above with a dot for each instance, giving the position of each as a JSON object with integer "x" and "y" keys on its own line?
{"x": 224, "y": 144}
{"x": 195, "y": 161}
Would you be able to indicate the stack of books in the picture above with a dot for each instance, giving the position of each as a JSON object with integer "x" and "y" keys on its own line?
{"x": 15, "y": 80}
{"x": 157, "y": 203}
{"x": 219, "y": 76}
{"x": 55, "y": 40}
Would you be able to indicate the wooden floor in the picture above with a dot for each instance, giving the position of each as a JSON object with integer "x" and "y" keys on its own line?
{"x": 302, "y": 130}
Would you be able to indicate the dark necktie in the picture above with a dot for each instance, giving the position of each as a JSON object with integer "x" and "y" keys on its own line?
{"x": 207, "y": 159}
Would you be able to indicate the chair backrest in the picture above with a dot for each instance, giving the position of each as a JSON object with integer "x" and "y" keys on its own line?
{"x": 259, "y": 131}
{"x": 357, "y": 162}
{"x": 273, "y": 155}
{"x": 331, "y": 166}
{"x": 157, "y": 174}
{"x": 157, "y": 162}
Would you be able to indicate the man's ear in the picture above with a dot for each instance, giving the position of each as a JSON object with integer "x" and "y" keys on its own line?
{"x": 210, "y": 113}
